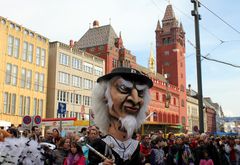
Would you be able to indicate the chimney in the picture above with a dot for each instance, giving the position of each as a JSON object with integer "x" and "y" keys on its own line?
{"x": 95, "y": 23}
{"x": 71, "y": 43}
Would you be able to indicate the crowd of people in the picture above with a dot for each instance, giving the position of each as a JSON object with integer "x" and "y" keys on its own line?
{"x": 189, "y": 149}
{"x": 120, "y": 101}
{"x": 155, "y": 148}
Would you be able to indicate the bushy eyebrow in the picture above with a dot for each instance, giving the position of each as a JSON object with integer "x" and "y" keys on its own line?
{"x": 141, "y": 87}
{"x": 128, "y": 84}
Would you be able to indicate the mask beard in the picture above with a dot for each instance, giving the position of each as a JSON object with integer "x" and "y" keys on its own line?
{"x": 129, "y": 123}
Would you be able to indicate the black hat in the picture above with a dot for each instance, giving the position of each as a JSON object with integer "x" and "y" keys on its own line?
{"x": 129, "y": 74}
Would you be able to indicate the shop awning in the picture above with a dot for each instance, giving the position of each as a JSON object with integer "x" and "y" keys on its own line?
{"x": 5, "y": 123}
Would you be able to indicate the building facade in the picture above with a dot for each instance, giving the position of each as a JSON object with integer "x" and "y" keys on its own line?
{"x": 170, "y": 55}
{"x": 23, "y": 67}
{"x": 209, "y": 117}
{"x": 219, "y": 114}
{"x": 192, "y": 111}
{"x": 72, "y": 75}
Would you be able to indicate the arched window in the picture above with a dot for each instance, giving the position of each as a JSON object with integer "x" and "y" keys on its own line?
{"x": 164, "y": 118}
{"x": 157, "y": 96}
{"x": 177, "y": 119}
{"x": 163, "y": 97}
{"x": 173, "y": 119}
{"x": 169, "y": 118}
{"x": 160, "y": 116}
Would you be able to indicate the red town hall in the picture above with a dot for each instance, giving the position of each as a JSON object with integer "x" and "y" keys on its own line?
{"x": 167, "y": 110}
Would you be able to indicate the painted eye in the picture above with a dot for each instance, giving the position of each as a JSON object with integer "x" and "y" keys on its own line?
{"x": 141, "y": 93}
{"x": 123, "y": 89}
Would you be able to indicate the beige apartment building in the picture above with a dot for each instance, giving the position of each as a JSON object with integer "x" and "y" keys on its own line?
{"x": 72, "y": 75}
{"x": 23, "y": 72}
{"x": 192, "y": 113}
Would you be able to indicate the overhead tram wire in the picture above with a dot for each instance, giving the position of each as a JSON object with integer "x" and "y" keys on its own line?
{"x": 208, "y": 54}
{"x": 222, "y": 62}
{"x": 211, "y": 59}
{"x": 225, "y": 22}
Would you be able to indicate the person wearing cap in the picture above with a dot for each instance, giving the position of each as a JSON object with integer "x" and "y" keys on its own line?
{"x": 120, "y": 101}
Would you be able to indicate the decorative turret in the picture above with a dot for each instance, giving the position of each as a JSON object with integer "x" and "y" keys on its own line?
{"x": 119, "y": 42}
{"x": 158, "y": 26}
{"x": 151, "y": 61}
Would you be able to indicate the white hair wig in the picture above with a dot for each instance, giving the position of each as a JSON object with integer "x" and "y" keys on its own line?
{"x": 102, "y": 101}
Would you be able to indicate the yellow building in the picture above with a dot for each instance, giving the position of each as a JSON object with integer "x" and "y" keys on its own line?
{"x": 23, "y": 72}
{"x": 72, "y": 75}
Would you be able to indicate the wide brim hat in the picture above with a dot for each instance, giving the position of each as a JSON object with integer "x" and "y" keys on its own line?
{"x": 128, "y": 74}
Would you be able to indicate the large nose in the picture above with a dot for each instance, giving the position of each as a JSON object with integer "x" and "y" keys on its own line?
{"x": 134, "y": 96}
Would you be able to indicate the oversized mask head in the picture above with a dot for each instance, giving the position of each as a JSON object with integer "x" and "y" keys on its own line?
{"x": 125, "y": 98}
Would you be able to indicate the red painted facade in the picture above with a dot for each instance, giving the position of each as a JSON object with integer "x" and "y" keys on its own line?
{"x": 211, "y": 119}
{"x": 170, "y": 53}
{"x": 164, "y": 115}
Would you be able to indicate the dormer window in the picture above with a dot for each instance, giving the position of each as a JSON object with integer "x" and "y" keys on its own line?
{"x": 12, "y": 25}
{"x": 18, "y": 28}
{"x": 3, "y": 21}
{"x": 26, "y": 32}
{"x": 31, "y": 34}
{"x": 39, "y": 38}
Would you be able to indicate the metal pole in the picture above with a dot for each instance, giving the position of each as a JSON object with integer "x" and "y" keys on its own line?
{"x": 198, "y": 59}
{"x": 61, "y": 124}
{"x": 89, "y": 117}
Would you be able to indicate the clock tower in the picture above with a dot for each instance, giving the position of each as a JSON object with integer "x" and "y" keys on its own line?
{"x": 170, "y": 56}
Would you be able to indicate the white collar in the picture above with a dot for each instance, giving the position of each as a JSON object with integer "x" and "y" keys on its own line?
{"x": 124, "y": 149}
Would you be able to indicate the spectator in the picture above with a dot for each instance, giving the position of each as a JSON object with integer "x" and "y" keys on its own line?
{"x": 36, "y": 133}
{"x": 83, "y": 132}
{"x": 48, "y": 136}
{"x": 206, "y": 160}
{"x": 62, "y": 151}
{"x": 93, "y": 134}
{"x": 55, "y": 136}
{"x": 157, "y": 153}
{"x": 145, "y": 147}
{"x": 13, "y": 132}
{"x": 237, "y": 149}
{"x": 75, "y": 156}
{"x": 4, "y": 134}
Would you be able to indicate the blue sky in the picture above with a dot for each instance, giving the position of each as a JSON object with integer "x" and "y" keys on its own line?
{"x": 62, "y": 20}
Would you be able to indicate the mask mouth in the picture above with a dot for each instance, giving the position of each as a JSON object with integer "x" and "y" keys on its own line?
{"x": 131, "y": 109}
